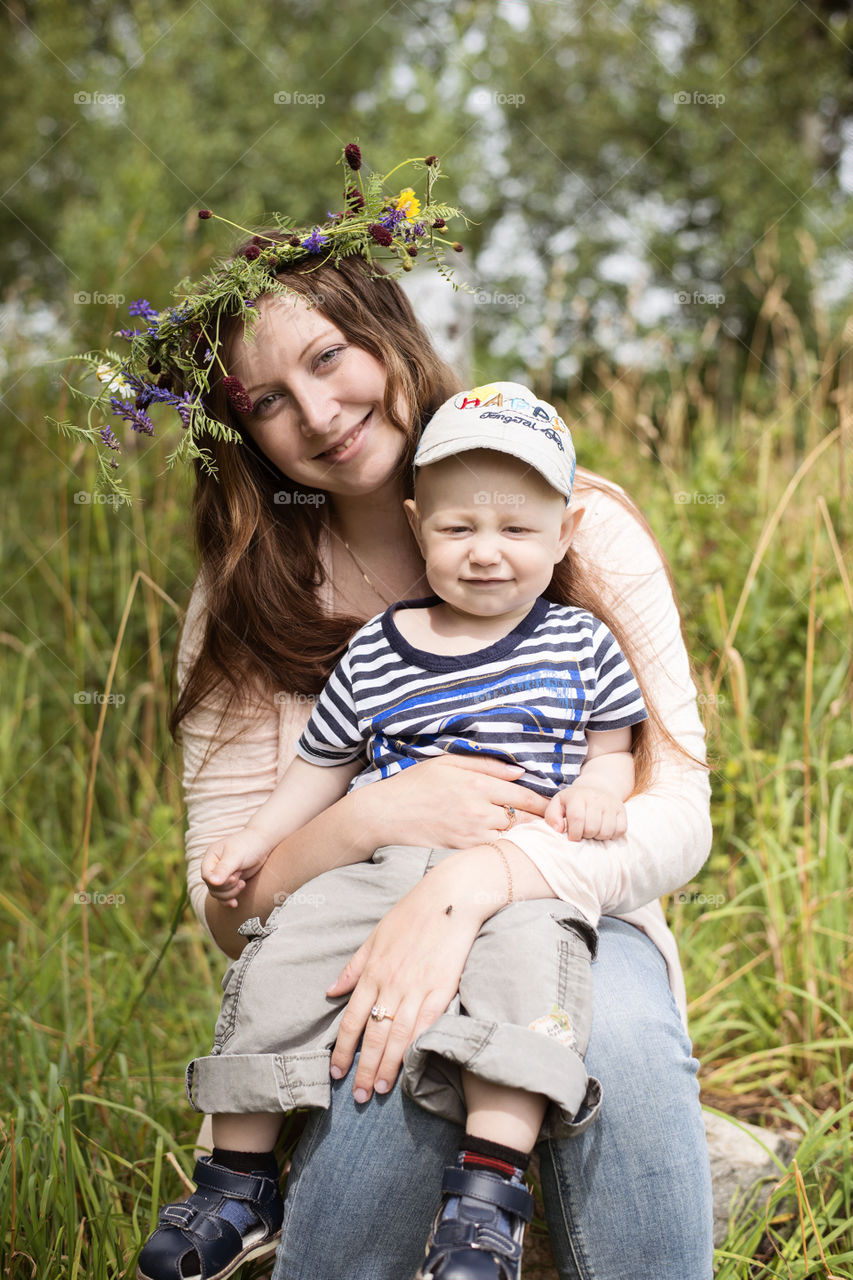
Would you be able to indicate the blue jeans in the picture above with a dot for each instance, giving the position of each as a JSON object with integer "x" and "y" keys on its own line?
{"x": 631, "y": 1196}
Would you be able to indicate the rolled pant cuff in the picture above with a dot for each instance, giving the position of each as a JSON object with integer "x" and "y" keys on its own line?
{"x": 503, "y": 1054}
{"x": 223, "y": 1084}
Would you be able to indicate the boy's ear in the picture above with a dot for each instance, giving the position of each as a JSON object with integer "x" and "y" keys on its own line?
{"x": 568, "y": 529}
{"x": 411, "y": 509}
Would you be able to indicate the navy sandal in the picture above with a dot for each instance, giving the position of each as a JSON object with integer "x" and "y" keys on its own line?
{"x": 194, "y": 1237}
{"x": 478, "y": 1231}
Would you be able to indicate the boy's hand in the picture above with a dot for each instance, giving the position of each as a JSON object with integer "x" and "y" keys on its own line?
{"x": 229, "y": 863}
{"x": 584, "y": 812}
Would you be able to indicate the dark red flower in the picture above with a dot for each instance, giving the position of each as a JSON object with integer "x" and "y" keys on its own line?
{"x": 380, "y": 234}
{"x": 431, "y": 160}
{"x": 353, "y": 156}
{"x": 439, "y": 224}
{"x": 457, "y": 246}
{"x": 412, "y": 251}
{"x": 354, "y": 198}
{"x": 237, "y": 394}
{"x": 205, "y": 213}
{"x": 295, "y": 241}
{"x": 251, "y": 252}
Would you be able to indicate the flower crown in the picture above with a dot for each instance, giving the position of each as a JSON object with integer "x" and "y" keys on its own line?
{"x": 174, "y": 359}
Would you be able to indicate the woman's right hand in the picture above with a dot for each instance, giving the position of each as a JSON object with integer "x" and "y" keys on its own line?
{"x": 449, "y": 802}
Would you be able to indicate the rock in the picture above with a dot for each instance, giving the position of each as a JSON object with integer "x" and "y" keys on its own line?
{"x": 740, "y": 1165}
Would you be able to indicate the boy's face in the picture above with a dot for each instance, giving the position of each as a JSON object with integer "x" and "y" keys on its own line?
{"x": 490, "y": 529}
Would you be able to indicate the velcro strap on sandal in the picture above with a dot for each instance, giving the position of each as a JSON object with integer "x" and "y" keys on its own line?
{"x": 489, "y": 1188}
{"x": 453, "y": 1233}
{"x": 239, "y": 1186}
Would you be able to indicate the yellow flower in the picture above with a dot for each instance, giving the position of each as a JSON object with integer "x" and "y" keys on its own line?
{"x": 409, "y": 203}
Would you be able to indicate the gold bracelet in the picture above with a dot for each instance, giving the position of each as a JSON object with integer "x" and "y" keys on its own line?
{"x": 507, "y": 869}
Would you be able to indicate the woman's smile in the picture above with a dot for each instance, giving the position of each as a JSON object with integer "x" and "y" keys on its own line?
{"x": 349, "y": 446}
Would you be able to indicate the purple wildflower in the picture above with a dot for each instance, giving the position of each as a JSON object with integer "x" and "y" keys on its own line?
{"x": 137, "y": 418}
{"x": 391, "y": 218}
{"x": 185, "y": 407}
{"x": 142, "y": 307}
{"x": 315, "y": 241}
{"x": 128, "y": 334}
{"x": 109, "y": 439}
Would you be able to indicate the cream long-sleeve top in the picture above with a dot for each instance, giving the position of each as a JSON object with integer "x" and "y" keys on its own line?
{"x": 668, "y": 833}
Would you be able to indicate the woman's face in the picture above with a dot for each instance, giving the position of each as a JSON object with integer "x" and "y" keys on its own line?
{"x": 318, "y": 400}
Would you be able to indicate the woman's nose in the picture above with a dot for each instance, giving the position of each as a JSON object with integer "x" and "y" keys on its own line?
{"x": 317, "y": 411}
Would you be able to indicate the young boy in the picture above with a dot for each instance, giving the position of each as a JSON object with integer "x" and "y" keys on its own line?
{"x": 486, "y": 664}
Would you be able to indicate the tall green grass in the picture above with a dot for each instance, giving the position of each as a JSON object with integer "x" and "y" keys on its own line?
{"x": 103, "y": 998}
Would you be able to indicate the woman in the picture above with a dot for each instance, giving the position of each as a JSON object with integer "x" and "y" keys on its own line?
{"x": 302, "y": 538}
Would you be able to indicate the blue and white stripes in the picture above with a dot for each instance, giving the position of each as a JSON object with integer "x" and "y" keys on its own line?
{"x": 528, "y": 699}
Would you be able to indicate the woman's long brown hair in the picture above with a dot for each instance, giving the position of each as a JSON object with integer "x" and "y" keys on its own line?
{"x": 265, "y": 633}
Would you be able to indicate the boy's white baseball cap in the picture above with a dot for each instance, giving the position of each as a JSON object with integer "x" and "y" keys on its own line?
{"x": 506, "y": 417}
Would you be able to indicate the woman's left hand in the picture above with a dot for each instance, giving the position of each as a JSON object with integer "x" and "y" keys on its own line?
{"x": 410, "y": 965}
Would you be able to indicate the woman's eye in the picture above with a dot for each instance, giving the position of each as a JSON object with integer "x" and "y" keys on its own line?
{"x": 329, "y": 357}
{"x": 263, "y": 405}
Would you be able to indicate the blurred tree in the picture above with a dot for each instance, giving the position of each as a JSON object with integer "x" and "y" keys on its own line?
{"x": 122, "y": 119}
{"x": 664, "y": 141}
{"x": 607, "y": 150}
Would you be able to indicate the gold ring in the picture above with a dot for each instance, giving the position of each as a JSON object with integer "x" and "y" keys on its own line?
{"x": 510, "y": 813}
{"x": 378, "y": 1013}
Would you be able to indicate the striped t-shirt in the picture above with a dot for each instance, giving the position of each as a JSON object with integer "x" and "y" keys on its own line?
{"x": 528, "y": 699}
